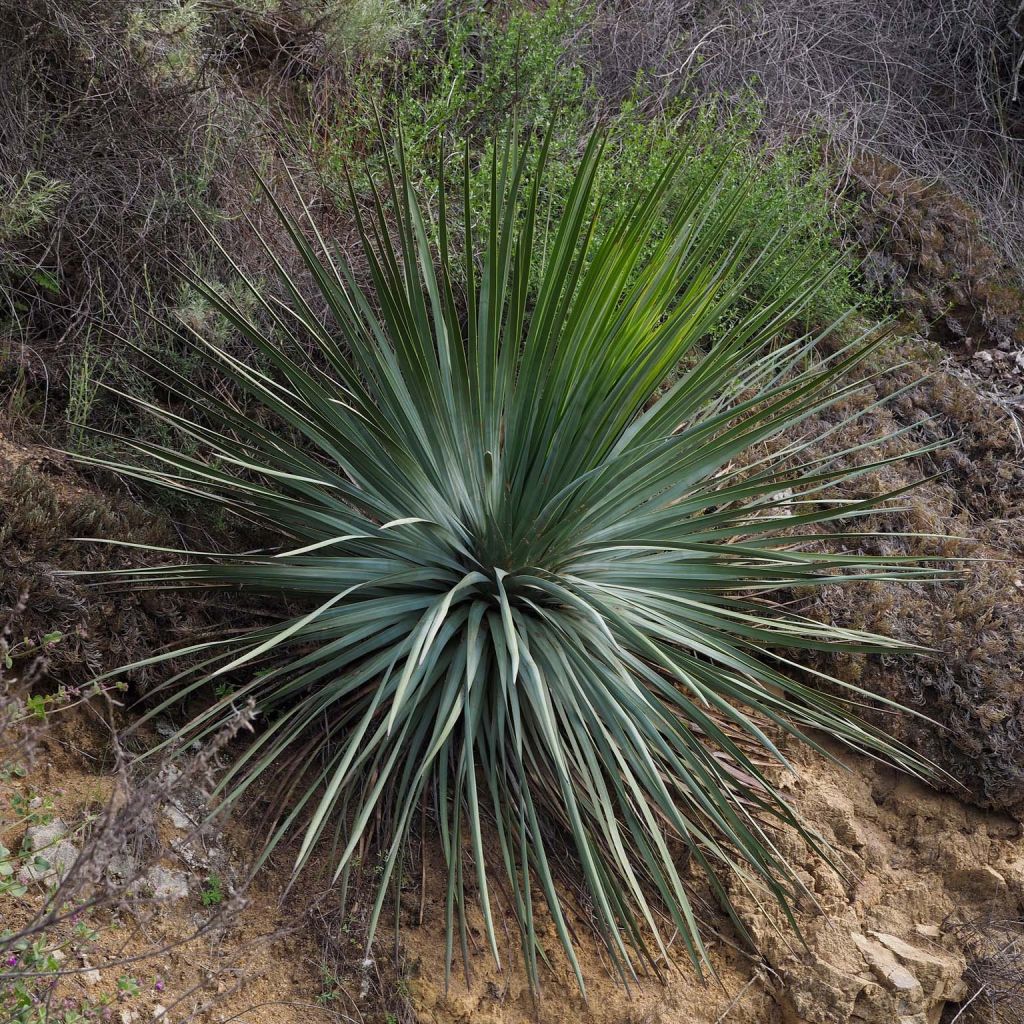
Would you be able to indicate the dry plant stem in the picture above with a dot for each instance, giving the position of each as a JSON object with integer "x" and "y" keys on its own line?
{"x": 931, "y": 85}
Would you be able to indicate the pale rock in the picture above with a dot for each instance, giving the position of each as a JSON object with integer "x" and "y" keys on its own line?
{"x": 873, "y": 1003}
{"x": 919, "y": 981}
{"x": 41, "y": 837}
{"x": 889, "y": 971}
{"x": 824, "y": 994}
{"x": 121, "y": 867}
{"x": 167, "y": 884}
{"x": 49, "y": 842}
{"x": 1013, "y": 872}
{"x": 91, "y": 977}
{"x": 940, "y": 973}
{"x": 177, "y": 818}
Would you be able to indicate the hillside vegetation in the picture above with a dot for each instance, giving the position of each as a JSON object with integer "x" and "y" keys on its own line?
{"x": 153, "y": 156}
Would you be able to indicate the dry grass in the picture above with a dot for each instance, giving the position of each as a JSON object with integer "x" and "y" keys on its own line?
{"x": 128, "y": 134}
{"x": 995, "y": 972}
{"x": 934, "y": 86}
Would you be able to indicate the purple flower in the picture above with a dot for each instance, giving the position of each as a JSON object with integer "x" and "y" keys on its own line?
{"x": 11, "y": 961}
{"x": 159, "y": 986}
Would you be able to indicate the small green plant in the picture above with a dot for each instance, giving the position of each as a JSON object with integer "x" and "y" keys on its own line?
{"x": 28, "y": 646}
{"x": 31, "y": 991}
{"x": 169, "y": 38}
{"x": 364, "y": 30}
{"x": 212, "y": 894}
{"x": 28, "y": 205}
{"x": 330, "y": 985}
{"x": 13, "y": 770}
{"x": 9, "y": 885}
{"x": 31, "y": 809}
{"x": 83, "y": 387}
{"x": 128, "y": 985}
{"x": 547, "y": 494}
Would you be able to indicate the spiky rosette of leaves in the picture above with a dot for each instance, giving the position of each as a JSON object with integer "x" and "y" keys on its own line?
{"x": 532, "y": 487}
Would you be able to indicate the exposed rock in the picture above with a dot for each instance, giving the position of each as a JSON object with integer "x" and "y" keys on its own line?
{"x": 167, "y": 884}
{"x": 121, "y": 868}
{"x": 890, "y": 972}
{"x": 919, "y": 982}
{"x": 981, "y": 882}
{"x": 177, "y": 818}
{"x": 939, "y": 973}
{"x": 856, "y": 978}
{"x": 880, "y": 952}
{"x": 57, "y": 853}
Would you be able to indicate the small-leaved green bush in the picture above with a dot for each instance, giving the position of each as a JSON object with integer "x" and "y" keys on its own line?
{"x": 495, "y": 64}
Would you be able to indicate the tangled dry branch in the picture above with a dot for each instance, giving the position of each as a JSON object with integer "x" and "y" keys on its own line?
{"x": 933, "y": 86}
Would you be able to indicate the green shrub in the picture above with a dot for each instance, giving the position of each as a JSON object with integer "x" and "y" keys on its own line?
{"x": 539, "y": 581}
{"x": 366, "y": 29}
{"x": 212, "y": 894}
{"x": 28, "y": 205}
{"x": 495, "y": 64}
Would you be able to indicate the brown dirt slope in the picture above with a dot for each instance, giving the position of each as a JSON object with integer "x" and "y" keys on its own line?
{"x": 885, "y": 939}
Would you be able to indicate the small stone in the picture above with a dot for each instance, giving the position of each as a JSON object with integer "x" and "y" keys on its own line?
{"x": 39, "y": 837}
{"x": 121, "y": 867}
{"x": 167, "y": 884}
{"x": 939, "y": 974}
{"x": 159, "y": 1010}
{"x": 888, "y": 970}
{"x": 91, "y": 977}
{"x": 49, "y": 843}
{"x": 178, "y": 819}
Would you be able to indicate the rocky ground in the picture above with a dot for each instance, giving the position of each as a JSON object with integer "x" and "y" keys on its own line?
{"x": 902, "y": 933}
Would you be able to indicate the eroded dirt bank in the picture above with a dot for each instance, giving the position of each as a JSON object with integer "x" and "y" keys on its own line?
{"x": 891, "y": 939}
{"x": 888, "y": 945}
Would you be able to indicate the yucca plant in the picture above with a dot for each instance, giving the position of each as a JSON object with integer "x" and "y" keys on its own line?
{"x": 534, "y": 488}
